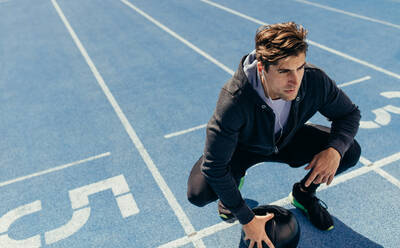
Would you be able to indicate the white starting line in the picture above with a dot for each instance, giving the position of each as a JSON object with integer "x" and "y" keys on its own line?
{"x": 360, "y": 80}
{"x": 57, "y": 168}
{"x": 185, "y": 131}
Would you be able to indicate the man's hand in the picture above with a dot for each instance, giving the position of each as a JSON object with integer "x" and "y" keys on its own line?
{"x": 255, "y": 231}
{"x": 324, "y": 166}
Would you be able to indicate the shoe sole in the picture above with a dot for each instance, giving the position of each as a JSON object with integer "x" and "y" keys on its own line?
{"x": 227, "y": 219}
{"x": 298, "y": 205}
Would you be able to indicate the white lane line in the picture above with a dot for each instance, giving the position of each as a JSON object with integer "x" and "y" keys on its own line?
{"x": 182, "y": 217}
{"x": 359, "y": 61}
{"x": 349, "y": 13}
{"x": 170, "y": 135}
{"x": 386, "y": 160}
{"x": 365, "y": 161}
{"x": 387, "y": 176}
{"x": 355, "y": 81}
{"x": 177, "y": 36}
{"x": 176, "y": 243}
{"x": 285, "y": 201}
{"x": 341, "y": 54}
{"x": 199, "y": 235}
{"x": 219, "y": 6}
{"x": 57, "y": 168}
{"x": 360, "y": 171}
{"x": 167, "y": 136}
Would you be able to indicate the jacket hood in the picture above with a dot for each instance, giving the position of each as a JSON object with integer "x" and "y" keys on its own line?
{"x": 250, "y": 69}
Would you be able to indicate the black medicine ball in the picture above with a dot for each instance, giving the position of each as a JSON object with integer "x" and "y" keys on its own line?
{"x": 283, "y": 230}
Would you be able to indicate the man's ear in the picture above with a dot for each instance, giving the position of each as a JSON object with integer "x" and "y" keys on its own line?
{"x": 259, "y": 67}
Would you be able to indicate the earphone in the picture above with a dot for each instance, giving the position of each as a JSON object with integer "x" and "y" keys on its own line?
{"x": 273, "y": 107}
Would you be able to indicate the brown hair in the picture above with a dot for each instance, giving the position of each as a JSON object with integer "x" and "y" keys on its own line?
{"x": 278, "y": 41}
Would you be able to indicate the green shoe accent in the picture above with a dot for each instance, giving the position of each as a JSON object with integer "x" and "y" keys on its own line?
{"x": 241, "y": 183}
{"x": 330, "y": 228}
{"x": 297, "y": 204}
{"x": 223, "y": 216}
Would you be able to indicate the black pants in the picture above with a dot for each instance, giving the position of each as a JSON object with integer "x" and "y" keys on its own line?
{"x": 308, "y": 141}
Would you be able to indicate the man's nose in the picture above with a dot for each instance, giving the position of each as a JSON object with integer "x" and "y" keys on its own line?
{"x": 293, "y": 78}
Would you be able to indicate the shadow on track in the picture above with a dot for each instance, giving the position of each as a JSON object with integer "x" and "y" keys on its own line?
{"x": 341, "y": 236}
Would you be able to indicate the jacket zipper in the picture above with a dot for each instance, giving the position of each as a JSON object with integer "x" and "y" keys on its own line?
{"x": 264, "y": 107}
{"x": 295, "y": 107}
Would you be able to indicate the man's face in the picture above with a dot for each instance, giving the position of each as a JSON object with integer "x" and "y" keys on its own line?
{"x": 283, "y": 80}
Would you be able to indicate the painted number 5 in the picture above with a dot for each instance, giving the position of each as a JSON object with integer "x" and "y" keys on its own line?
{"x": 382, "y": 114}
{"x": 80, "y": 204}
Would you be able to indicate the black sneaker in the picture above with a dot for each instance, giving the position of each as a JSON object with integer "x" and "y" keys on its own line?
{"x": 225, "y": 214}
{"x": 311, "y": 206}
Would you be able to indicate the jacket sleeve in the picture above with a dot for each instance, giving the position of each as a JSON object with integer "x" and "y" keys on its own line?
{"x": 221, "y": 141}
{"x": 344, "y": 114}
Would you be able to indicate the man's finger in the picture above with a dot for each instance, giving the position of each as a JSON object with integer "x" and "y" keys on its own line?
{"x": 330, "y": 180}
{"x": 322, "y": 179}
{"x": 269, "y": 216}
{"x": 251, "y": 244}
{"x": 310, "y": 179}
{"x": 269, "y": 243}
{"x": 259, "y": 244}
{"x": 310, "y": 165}
{"x": 318, "y": 179}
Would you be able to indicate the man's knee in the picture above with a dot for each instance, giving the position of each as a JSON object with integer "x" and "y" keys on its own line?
{"x": 352, "y": 155}
{"x": 196, "y": 199}
{"x": 356, "y": 152}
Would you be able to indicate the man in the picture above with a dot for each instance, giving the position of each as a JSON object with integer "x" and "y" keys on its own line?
{"x": 261, "y": 116}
